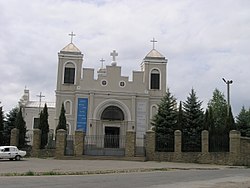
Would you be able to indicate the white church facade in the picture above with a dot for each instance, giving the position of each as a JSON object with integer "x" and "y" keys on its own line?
{"x": 108, "y": 104}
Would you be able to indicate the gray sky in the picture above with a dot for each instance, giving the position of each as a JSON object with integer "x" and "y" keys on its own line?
{"x": 203, "y": 40}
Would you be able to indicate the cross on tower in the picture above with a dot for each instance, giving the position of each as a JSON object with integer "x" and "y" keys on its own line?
{"x": 153, "y": 41}
{"x": 102, "y": 60}
{"x": 72, "y": 35}
{"x": 113, "y": 54}
{"x": 40, "y": 100}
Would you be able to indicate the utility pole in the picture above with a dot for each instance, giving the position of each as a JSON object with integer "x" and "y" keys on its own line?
{"x": 228, "y": 82}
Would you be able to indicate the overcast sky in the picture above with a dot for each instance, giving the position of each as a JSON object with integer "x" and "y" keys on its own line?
{"x": 203, "y": 40}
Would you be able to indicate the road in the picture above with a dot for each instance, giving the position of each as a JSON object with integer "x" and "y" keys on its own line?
{"x": 170, "y": 179}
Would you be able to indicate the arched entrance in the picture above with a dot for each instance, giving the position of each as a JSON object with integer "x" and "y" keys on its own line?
{"x": 112, "y": 116}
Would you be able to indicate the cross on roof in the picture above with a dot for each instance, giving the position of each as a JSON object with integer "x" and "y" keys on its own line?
{"x": 113, "y": 54}
{"x": 102, "y": 60}
{"x": 40, "y": 100}
{"x": 153, "y": 41}
{"x": 72, "y": 35}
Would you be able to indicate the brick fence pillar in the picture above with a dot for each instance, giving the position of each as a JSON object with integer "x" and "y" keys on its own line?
{"x": 150, "y": 144}
{"x": 130, "y": 144}
{"x": 79, "y": 143}
{"x": 234, "y": 142}
{"x": 36, "y": 142}
{"x": 177, "y": 141}
{"x": 14, "y": 137}
{"x": 204, "y": 141}
{"x": 60, "y": 143}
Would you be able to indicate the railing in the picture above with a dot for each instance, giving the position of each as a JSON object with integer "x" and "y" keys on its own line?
{"x": 105, "y": 141}
{"x": 164, "y": 142}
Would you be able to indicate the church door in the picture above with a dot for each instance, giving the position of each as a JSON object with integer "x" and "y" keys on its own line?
{"x": 111, "y": 138}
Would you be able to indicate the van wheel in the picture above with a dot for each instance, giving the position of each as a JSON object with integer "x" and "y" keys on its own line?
{"x": 17, "y": 158}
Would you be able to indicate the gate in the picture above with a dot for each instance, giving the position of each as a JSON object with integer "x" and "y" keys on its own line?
{"x": 105, "y": 145}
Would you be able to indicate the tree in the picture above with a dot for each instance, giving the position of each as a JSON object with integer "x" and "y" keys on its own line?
{"x": 165, "y": 121}
{"x": 1, "y": 126}
{"x": 180, "y": 118}
{"x": 243, "y": 121}
{"x": 62, "y": 119}
{"x": 9, "y": 124}
{"x": 194, "y": 115}
{"x": 230, "y": 123}
{"x": 209, "y": 120}
{"x": 218, "y": 104}
{"x": 44, "y": 126}
{"x": 21, "y": 126}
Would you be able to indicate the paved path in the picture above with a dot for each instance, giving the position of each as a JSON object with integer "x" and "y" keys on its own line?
{"x": 48, "y": 165}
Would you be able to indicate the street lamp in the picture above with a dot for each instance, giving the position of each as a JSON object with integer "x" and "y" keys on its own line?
{"x": 228, "y": 82}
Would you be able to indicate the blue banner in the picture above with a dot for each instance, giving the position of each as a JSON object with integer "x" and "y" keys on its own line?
{"x": 82, "y": 113}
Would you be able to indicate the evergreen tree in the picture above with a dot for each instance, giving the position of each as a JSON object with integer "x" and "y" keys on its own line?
{"x": 21, "y": 126}
{"x": 243, "y": 121}
{"x": 62, "y": 119}
{"x": 165, "y": 123}
{"x": 194, "y": 115}
{"x": 180, "y": 118}
{"x": 218, "y": 104}
{"x": 1, "y": 126}
{"x": 9, "y": 125}
{"x": 44, "y": 126}
{"x": 209, "y": 120}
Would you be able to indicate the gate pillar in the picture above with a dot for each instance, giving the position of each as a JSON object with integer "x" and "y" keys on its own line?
{"x": 130, "y": 144}
{"x": 79, "y": 143}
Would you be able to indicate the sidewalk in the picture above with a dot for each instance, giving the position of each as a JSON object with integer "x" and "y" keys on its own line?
{"x": 95, "y": 166}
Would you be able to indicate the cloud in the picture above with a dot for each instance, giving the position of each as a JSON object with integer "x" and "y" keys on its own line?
{"x": 203, "y": 41}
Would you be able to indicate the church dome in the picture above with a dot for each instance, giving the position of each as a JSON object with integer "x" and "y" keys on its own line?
{"x": 70, "y": 48}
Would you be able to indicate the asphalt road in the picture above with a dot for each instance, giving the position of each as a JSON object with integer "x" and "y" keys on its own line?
{"x": 169, "y": 179}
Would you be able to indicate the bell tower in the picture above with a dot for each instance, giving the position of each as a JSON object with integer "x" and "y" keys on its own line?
{"x": 154, "y": 66}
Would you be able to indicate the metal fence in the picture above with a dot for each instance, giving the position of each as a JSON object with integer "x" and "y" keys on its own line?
{"x": 219, "y": 142}
{"x": 191, "y": 141}
{"x": 164, "y": 142}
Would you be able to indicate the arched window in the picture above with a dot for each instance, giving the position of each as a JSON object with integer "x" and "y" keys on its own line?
{"x": 67, "y": 105}
{"x": 155, "y": 79}
{"x": 69, "y": 73}
{"x": 112, "y": 113}
{"x": 154, "y": 111}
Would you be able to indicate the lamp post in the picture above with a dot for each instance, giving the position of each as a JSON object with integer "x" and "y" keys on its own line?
{"x": 228, "y": 82}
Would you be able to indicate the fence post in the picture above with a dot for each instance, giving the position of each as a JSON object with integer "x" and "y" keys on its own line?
{"x": 79, "y": 143}
{"x": 204, "y": 141}
{"x": 234, "y": 142}
{"x": 60, "y": 143}
{"x": 130, "y": 144}
{"x": 150, "y": 144}
{"x": 36, "y": 142}
{"x": 14, "y": 137}
{"x": 177, "y": 141}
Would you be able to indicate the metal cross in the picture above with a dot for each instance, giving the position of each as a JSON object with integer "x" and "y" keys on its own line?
{"x": 102, "y": 60}
{"x": 153, "y": 41}
{"x": 40, "y": 100}
{"x": 72, "y": 35}
{"x": 114, "y": 54}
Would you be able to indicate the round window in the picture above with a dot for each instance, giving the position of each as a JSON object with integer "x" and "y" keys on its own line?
{"x": 104, "y": 82}
{"x": 122, "y": 84}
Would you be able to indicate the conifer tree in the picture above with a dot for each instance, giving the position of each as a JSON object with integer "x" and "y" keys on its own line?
{"x": 62, "y": 119}
{"x": 9, "y": 124}
{"x": 180, "y": 118}
{"x": 243, "y": 121}
{"x": 21, "y": 126}
{"x": 1, "y": 126}
{"x": 165, "y": 123}
{"x": 230, "y": 123}
{"x": 194, "y": 119}
{"x": 44, "y": 126}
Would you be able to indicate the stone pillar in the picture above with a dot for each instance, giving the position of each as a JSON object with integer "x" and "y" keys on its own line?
{"x": 36, "y": 142}
{"x": 79, "y": 143}
{"x": 234, "y": 142}
{"x": 204, "y": 141}
{"x": 177, "y": 141}
{"x": 60, "y": 143}
{"x": 130, "y": 144}
{"x": 150, "y": 144}
{"x": 14, "y": 137}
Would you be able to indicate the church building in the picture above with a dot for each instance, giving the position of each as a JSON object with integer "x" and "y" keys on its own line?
{"x": 110, "y": 104}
